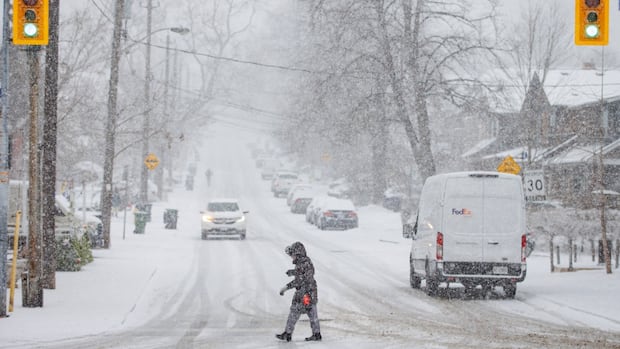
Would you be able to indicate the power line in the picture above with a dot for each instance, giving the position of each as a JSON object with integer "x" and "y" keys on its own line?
{"x": 242, "y": 61}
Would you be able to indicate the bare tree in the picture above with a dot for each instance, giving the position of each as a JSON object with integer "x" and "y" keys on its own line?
{"x": 423, "y": 56}
{"x": 216, "y": 26}
{"x": 540, "y": 43}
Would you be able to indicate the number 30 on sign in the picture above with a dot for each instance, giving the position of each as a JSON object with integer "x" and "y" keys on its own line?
{"x": 534, "y": 186}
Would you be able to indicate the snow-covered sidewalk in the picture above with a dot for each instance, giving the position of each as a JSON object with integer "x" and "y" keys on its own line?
{"x": 121, "y": 288}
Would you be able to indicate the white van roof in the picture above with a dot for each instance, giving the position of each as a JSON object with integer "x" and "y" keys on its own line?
{"x": 475, "y": 174}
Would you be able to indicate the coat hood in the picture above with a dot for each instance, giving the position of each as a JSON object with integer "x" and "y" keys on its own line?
{"x": 296, "y": 250}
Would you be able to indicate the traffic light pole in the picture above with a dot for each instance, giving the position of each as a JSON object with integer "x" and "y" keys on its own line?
{"x": 4, "y": 161}
{"x": 34, "y": 290}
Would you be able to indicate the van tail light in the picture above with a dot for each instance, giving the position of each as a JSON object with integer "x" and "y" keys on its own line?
{"x": 439, "y": 246}
{"x": 523, "y": 247}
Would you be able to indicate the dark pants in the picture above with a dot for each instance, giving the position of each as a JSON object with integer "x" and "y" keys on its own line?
{"x": 296, "y": 310}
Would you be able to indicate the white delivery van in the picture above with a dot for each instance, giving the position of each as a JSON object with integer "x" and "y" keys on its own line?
{"x": 470, "y": 228}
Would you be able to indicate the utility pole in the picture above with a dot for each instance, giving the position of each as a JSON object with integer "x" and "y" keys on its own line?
{"x": 163, "y": 153}
{"x": 110, "y": 133}
{"x": 48, "y": 187}
{"x": 34, "y": 291}
{"x": 4, "y": 161}
{"x": 144, "y": 174}
{"x": 603, "y": 198}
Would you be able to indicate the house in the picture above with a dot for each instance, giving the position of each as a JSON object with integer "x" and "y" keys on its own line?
{"x": 568, "y": 127}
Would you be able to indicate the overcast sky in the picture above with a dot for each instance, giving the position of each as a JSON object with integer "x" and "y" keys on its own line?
{"x": 512, "y": 9}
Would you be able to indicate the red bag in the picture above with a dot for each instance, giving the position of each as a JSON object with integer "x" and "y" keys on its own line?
{"x": 306, "y": 300}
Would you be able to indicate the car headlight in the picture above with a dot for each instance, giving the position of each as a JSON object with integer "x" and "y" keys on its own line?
{"x": 206, "y": 218}
{"x": 241, "y": 219}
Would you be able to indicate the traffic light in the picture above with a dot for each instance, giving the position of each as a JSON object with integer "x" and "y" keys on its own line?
{"x": 30, "y": 22}
{"x": 591, "y": 22}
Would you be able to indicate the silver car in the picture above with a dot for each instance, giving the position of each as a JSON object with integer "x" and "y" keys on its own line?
{"x": 223, "y": 217}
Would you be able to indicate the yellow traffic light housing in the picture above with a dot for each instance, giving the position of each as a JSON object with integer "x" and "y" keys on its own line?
{"x": 591, "y": 22}
{"x": 30, "y": 22}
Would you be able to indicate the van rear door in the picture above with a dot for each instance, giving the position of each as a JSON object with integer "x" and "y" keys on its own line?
{"x": 483, "y": 219}
{"x": 504, "y": 220}
{"x": 463, "y": 219}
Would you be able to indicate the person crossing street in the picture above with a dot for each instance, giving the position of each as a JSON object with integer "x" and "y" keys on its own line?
{"x": 305, "y": 298}
{"x": 208, "y": 174}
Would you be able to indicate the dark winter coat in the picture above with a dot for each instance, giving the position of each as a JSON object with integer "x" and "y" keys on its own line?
{"x": 304, "y": 282}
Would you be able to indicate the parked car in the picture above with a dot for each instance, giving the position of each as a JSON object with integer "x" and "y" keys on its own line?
{"x": 314, "y": 207}
{"x": 295, "y": 188}
{"x": 393, "y": 199}
{"x": 223, "y": 217}
{"x": 269, "y": 167}
{"x": 339, "y": 188}
{"x": 282, "y": 182}
{"x": 337, "y": 213}
{"x": 301, "y": 199}
{"x": 310, "y": 209}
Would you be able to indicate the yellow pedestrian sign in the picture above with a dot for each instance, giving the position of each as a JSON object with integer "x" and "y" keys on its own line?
{"x": 509, "y": 165}
{"x": 151, "y": 161}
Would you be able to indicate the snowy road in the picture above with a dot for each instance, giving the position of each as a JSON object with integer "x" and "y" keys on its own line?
{"x": 228, "y": 294}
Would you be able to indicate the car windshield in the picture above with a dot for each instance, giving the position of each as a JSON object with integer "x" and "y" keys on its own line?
{"x": 223, "y": 207}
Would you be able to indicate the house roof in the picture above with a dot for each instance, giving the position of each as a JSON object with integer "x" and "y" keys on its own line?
{"x": 580, "y": 153}
{"x": 563, "y": 87}
{"x": 478, "y": 147}
{"x": 576, "y": 154}
{"x": 519, "y": 154}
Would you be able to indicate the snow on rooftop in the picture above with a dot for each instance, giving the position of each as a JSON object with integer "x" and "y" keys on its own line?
{"x": 563, "y": 87}
{"x": 518, "y": 154}
{"x": 576, "y": 154}
{"x": 478, "y": 147}
{"x": 584, "y": 153}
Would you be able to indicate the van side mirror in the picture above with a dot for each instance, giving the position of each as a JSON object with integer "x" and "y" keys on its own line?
{"x": 409, "y": 231}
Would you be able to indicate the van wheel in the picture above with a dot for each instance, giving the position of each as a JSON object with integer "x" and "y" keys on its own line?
{"x": 204, "y": 235}
{"x": 469, "y": 287}
{"x": 431, "y": 284}
{"x": 414, "y": 280}
{"x": 510, "y": 289}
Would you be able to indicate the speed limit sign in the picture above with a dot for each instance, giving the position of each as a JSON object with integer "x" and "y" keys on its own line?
{"x": 534, "y": 186}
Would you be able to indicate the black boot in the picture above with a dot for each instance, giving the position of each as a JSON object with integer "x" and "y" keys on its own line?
{"x": 314, "y": 337}
{"x": 285, "y": 336}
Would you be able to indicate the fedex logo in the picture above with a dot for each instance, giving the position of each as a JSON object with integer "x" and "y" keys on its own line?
{"x": 461, "y": 212}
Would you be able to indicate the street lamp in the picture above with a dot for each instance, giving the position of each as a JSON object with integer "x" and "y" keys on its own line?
{"x": 144, "y": 175}
{"x": 106, "y": 197}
